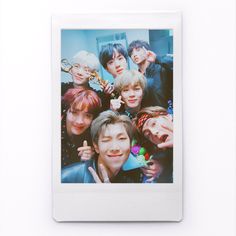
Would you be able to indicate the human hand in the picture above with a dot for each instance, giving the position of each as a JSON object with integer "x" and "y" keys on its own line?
{"x": 153, "y": 170}
{"x": 107, "y": 88}
{"x": 86, "y": 152}
{"x": 115, "y": 104}
{"x": 151, "y": 56}
{"x": 96, "y": 177}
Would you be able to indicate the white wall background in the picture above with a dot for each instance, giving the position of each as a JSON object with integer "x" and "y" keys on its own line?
{"x": 209, "y": 118}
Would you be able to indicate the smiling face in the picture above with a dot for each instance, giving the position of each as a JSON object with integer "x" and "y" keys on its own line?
{"x": 80, "y": 74}
{"x": 117, "y": 64}
{"x": 138, "y": 55}
{"x": 132, "y": 95}
{"x": 77, "y": 121}
{"x": 113, "y": 147}
{"x": 158, "y": 129}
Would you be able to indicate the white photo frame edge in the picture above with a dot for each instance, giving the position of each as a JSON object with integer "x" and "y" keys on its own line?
{"x": 117, "y": 202}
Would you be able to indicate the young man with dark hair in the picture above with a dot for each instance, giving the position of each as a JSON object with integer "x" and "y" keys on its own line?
{"x": 113, "y": 58}
{"x": 157, "y": 70}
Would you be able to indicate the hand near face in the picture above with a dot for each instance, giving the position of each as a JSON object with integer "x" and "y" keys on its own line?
{"x": 96, "y": 177}
{"x": 107, "y": 88}
{"x": 151, "y": 56}
{"x": 115, "y": 104}
{"x": 86, "y": 152}
{"x": 152, "y": 170}
{"x": 169, "y": 141}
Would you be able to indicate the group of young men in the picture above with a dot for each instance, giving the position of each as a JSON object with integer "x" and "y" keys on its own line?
{"x": 135, "y": 118}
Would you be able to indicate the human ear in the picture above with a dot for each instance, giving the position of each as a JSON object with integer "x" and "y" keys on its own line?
{"x": 96, "y": 148}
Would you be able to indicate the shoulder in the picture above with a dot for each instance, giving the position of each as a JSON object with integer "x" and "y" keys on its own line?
{"x": 65, "y": 87}
{"x": 77, "y": 172}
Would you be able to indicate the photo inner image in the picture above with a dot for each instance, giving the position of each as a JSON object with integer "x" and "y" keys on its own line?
{"x": 117, "y": 106}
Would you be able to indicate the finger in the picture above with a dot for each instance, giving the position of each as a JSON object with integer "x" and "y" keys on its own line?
{"x": 85, "y": 158}
{"x": 111, "y": 89}
{"x": 144, "y": 49}
{"x": 168, "y": 144}
{"x": 120, "y": 100}
{"x": 144, "y": 171}
{"x": 149, "y": 175}
{"x": 150, "y": 172}
{"x": 104, "y": 174}
{"x": 150, "y": 180}
{"x": 94, "y": 174}
{"x": 84, "y": 148}
{"x": 85, "y": 143}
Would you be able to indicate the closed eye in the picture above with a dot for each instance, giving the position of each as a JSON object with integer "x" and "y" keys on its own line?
{"x": 122, "y": 138}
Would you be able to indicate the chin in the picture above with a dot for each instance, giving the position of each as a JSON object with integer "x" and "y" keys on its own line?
{"x": 77, "y": 132}
{"x": 132, "y": 105}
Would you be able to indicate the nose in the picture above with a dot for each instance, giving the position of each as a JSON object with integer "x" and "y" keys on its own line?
{"x": 79, "y": 120}
{"x": 80, "y": 70}
{"x": 154, "y": 131}
{"x": 131, "y": 93}
{"x": 114, "y": 147}
{"x": 117, "y": 63}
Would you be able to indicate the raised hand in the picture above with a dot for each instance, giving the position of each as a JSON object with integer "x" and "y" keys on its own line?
{"x": 153, "y": 170}
{"x": 96, "y": 177}
{"x": 107, "y": 88}
{"x": 115, "y": 104}
{"x": 151, "y": 56}
{"x": 86, "y": 152}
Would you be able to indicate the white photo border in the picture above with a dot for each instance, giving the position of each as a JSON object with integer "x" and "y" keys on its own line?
{"x": 117, "y": 202}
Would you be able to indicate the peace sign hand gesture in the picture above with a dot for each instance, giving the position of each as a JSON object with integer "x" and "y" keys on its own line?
{"x": 115, "y": 104}
{"x": 96, "y": 178}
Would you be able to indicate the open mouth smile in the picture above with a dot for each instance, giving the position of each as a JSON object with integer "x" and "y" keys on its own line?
{"x": 163, "y": 138}
{"x": 119, "y": 71}
{"x": 114, "y": 155}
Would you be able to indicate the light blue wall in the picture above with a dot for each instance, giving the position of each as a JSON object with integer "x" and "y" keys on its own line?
{"x": 73, "y": 41}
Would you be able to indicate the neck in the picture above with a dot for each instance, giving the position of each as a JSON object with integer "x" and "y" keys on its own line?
{"x": 143, "y": 66}
{"x": 111, "y": 173}
{"x": 134, "y": 110}
{"x": 85, "y": 86}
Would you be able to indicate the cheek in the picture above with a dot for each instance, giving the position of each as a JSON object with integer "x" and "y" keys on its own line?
{"x": 124, "y": 95}
{"x": 125, "y": 146}
{"x": 103, "y": 147}
{"x": 69, "y": 118}
{"x": 110, "y": 68}
{"x": 88, "y": 122}
{"x": 124, "y": 64}
{"x": 140, "y": 94}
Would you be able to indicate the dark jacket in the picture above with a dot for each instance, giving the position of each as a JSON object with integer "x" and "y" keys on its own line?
{"x": 165, "y": 158}
{"x": 79, "y": 173}
{"x": 159, "y": 82}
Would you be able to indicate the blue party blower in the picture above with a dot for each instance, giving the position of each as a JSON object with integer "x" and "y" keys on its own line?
{"x": 132, "y": 163}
